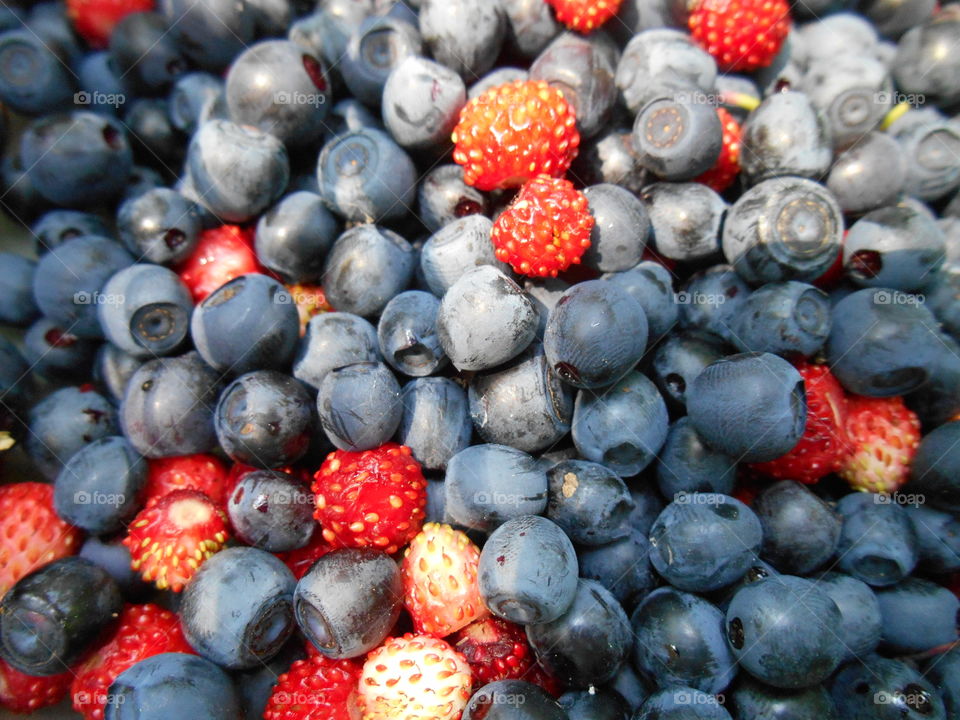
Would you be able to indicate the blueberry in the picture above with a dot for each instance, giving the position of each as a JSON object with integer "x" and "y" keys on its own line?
{"x": 488, "y": 485}
{"x": 55, "y": 227}
{"x": 407, "y": 334}
{"x": 359, "y": 406}
{"x": 621, "y": 567}
{"x": 883, "y": 343}
{"x": 238, "y": 609}
{"x": 159, "y": 226}
{"x": 272, "y": 511}
{"x": 531, "y": 25}
{"x": 923, "y": 63}
{"x": 64, "y": 422}
{"x": 677, "y": 140}
{"x": 348, "y": 601}
{"x": 917, "y": 615}
{"x": 33, "y": 79}
{"x": 333, "y": 340}
{"x": 436, "y": 421}
{"x": 53, "y": 353}
{"x": 877, "y": 542}
{"x": 512, "y": 700}
{"x": 114, "y": 557}
{"x": 631, "y": 686}
{"x": 146, "y": 53}
{"x": 786, "y": 318}
{"x": 264, "y": 419}
{"x": 248, "y": 323}
{"x": 943, "y": 671}
{"x": 852, "y": 92}
{"x": 238, "y": 170}
{"x": 100, "y": 487}
{"x": 464, "y": 35}
{"x": 620, "y": 230}
{"x": 421, "y": 103}
{"x": 528, "y": 571}
{"x": 938, "y": 538}
{"x": 868, "y": 175}
{"x": 704, "y": 541}
{"x": 739, "y": 394}
{"x": 686, "y": 220}
{"x": 293, "y": 237}
{"x": 365, "y": 176}
{"x": 210, "y": 32}
{"x": 77, "y": 159}
{"x": 860, "y": 625}
{"x": 800, "y": 531}
{"x": 893, "y": 247}
{"x": 940, "y": 295}
{"x": 783, "y": 229}
{"x": 590, "y": 502}
{"x": 935, "y": 402}
{"x": 101, "y": 88}
{"x": 622, "y": 428}
{"x": 544, "y": 294}
{"x": 171, "y": 683}
{"x": 710, "y": 299}
{"x": 349, "y": 115}
{"x": 686, "y": 464}
{"x": 373, "y": 49}
{"x": 154, "y": 139}
{"x": 879, "y": 688}
{"x": 68, "y": 281}
{"x": 588, "y": 643}
{"x": 443, "y": 197}
{"x": 594, "y": 704}
{"x": 753, "y": 700}
{"x": 595, "y": 334}
{"x": 681, "y": 703}
{"x": 930, "y": 147}
{"x": 456, "y": 248}
{"x": 167, "y": 407}
{"x": 145, "y": 310}
{"x": 680, "y": 640}
{"x": 680, "y": 358}
{"x": 610, "y": 157}
{"x": 51, "y": 617}
{"x": 485, "y": 319}
{"x": 193, "y": 100}
{"x": 112, "y": 369}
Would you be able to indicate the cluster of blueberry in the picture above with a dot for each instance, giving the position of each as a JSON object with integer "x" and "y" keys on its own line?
{"x": 462, "y": 359}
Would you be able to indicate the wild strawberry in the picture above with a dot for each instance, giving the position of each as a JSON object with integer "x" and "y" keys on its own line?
{"x": 414, "y": 677}
{"x": 741, "y": 35}
{"x": 31, "y": 534}
{"x": 205, "y": 473}
{"x": 883, "y": 435}
{"x": 94, "y": 20}
{"x": 584, "y": 15}
{"x": 310, "y": 300}
{"x": 317, "y": 688}
{"x": 514, "y": 132}
{"x": 222, "y": 254}
{"x": 173, "y": 535}
{"x": 822, "y": 446}
{"x": 143, "y": 631}
{"x": 375, "y": 498}
{"x": 545, "y": 229}
{"x": 440, "y": 588}
{"x": 302, "y": 559}
{"x": 25, "y": 693}
{"x": 727, "y": 167}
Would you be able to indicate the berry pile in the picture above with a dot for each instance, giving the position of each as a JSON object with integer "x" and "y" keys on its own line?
{"x": 480, "y": 359}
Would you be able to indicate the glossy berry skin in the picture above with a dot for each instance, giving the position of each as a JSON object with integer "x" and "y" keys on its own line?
{"x": 621, "y": 567}
{"x": 407, "y": 333}
{"x": 686, "y": 464}
{"x": 917, "y": 615}
{"x": 366, "y": 267}
{"x": 370, "y": 499}
{"x": 885, "y": 689}
{"x": 468, "y": 48}
{"x": 166, "y": 409}
{"x": 456, "y": 248}
{"x": 677, "y": 140}
{"x": 527, "y": 115}
{"x": 171, "y": 682}
{"x": 868, "y": 175}
{"x": 326, "y": 687}
{"x": 800, "y": 531}
{"x": 364, "y": 176}
{"x": 620, "y": 229}
{"x": 933, "y": 471}
{"x": 100, "y": 487}
{"x": 595, "y": 334}
{"x": 680, "y": 358}
{"x": 589, "y": 502}
{"x": 739, "y": 391}
{"x": 680, "y": 640}
{"x": 704, "y": 541}
{"x": 359, "y": 406}
{"x": 786, "y": 318}
{"x": 264, "y": 418}
{"x": 373, "y": 48}
{"x": 877, "y": 542}
{"x": 882, "y": 436}
{"x": 443, "y": 197}
{"x": 272, "y": 511}
{"x": 436, "y": 420}
{"x": 221, "y": 254}
{"x": 294, "y": 236}
{"x": 622, "y": 428}
{"x": 487, "y": 485}
{"x": 803, "y": 651}
{"x": 528, "y": 571}
{"x": 236, "y": 618}
{"x": 159, "y": 226}
{"x": 333, "y": 340}
{"x": 39, "y": 85}
{"x": 686, "y": 220}
{"x": 741, "y": 36}
{"x": 55, "y": 614}
{"x": 145, "y": 53}
{"x": 753, "y": 699}
{"x": 414, "y": 84}
{"x": 513, "y": 700}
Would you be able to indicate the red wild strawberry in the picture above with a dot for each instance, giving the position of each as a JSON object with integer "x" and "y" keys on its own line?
{"x": 514, "y": 132}
{"x": 187, "y": 472}
{"x": 25, "y": 693}
{"x": 94, "y": 20}
{"x": 584, "y": 15}
{"x": 302, "y": 559}
{"x": 822, "y": 446}
{"x": 414, "y": 677}
{"x": 143, "y": 631}
{"x": 727, "y": 167}
{"x": 741, "y": 35}
{"x": 31, "y": 534}
{"x": 317, "y": 688}
{"x": 173, "y": 535}
{"x": 545, "y": 229}
{"x": 310, "y": 300}
{"x": 883, "y": 435}
{"x": 440, "y": 588}
{"x": 221, "y": 254}
{"x": 375, "y": 498}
